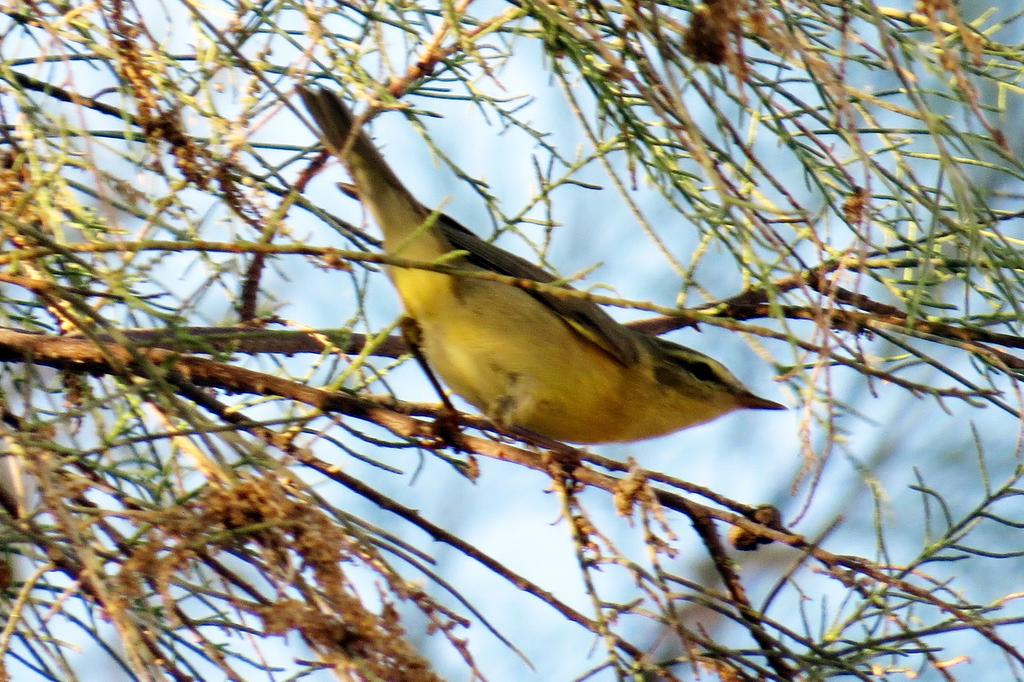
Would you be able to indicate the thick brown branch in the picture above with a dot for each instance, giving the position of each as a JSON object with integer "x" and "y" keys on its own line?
{"x": 848, "y": 320}
{"x": 255, "y": 340}
{"x": 755, "y": 304}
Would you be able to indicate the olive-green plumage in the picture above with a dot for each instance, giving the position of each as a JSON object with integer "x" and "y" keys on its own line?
{"x": 559, "y": 366}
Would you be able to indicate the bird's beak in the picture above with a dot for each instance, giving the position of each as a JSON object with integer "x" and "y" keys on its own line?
{"x": 753, "y": 402}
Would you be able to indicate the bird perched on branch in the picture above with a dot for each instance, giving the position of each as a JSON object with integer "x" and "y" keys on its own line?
{"x": 554, "y": 364}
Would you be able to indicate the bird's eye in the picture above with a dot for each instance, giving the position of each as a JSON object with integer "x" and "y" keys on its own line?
{"x": 699, "y": 369}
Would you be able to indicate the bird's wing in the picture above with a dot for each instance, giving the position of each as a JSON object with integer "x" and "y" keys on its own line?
{"x": 586, "y": 318}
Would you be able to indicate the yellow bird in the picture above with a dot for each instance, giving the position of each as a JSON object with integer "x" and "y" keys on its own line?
{"x": 559, "y": 366}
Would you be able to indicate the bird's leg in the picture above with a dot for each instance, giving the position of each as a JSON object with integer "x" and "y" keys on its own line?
{"x": 447, "y": 420}
{"x": 747, "y": 541}
{"x": 508, "y": 410}
{"x": 511, "y": 408}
